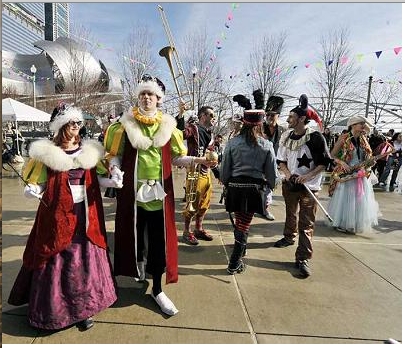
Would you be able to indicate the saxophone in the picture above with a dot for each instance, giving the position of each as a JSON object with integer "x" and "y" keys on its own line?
{"x": 352, "y": 173}
{"x": 192, "y": 175}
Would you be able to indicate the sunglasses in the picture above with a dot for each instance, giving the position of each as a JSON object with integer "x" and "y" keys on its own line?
{"x": 75, "y": 123}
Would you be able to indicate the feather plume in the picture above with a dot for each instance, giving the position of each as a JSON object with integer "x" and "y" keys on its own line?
{"x": 259, "y": 99}
{"x": 242, "y": 101}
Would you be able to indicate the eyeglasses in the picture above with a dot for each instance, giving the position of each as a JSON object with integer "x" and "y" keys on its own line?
{"x": 75, "y": 123}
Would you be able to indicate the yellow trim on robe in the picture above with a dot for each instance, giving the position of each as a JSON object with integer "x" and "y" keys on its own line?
{"x": 113, "y": 140}
{"x": 35, "y": 172}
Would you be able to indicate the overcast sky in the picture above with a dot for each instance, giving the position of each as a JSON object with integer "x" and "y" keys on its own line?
{"x": 372, "y": 26}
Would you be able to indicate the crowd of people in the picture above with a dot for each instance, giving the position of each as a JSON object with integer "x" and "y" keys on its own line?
{"x": 67, "y": 275}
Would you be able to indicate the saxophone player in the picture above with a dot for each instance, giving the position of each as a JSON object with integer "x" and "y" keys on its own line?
{"x": 353, "y": 206}
{"x": 199, "y": 138}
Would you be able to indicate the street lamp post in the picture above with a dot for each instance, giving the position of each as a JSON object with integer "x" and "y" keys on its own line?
{"x": 194, "y": 72}
{"x": 34, "y": 71}
{"x": 370, "y": 80}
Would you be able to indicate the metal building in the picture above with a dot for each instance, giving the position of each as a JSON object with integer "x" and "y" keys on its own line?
{"x": 22, "y": 24}
{"x": 57, "y": 21}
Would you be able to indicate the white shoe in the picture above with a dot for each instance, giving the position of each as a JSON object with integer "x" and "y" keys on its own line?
{"x": 141, "y": 271}
{"x": 165, "y": 304}
{"x": 269, "y": 216}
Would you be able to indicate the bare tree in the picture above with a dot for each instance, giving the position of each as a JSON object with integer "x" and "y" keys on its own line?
{"x": 87, "y": 80}
{"x": 268, "y": 65}
{"x": 383, "y": 98}
{"x": 136, "y": 59}
{"x": 335, "y": 80}
{"x": 9, "y": 91}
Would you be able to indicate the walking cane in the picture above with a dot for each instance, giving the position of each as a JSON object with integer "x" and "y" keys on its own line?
{"x": 319, "y": 203}
{"x": 25, "y": 183}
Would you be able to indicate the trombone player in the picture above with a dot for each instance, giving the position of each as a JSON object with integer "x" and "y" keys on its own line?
{"x": 198, "y": 183}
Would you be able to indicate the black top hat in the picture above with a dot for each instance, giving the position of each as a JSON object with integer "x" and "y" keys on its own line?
{"x": 274, "y": 105}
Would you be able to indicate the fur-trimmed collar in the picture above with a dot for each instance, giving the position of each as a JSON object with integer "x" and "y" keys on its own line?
{"x": 46, "y": 152}
{"x": 139, "y": 140}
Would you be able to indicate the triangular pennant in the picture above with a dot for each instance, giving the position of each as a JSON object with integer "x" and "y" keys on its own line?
{"x": 378, "y": 54}
{"x": 330, "y": 62}
{"x": 307, "y": 65}
{"x": 397, "y": 50}
{"x": 360, "y": 57}
{"x": 344, "y": 60}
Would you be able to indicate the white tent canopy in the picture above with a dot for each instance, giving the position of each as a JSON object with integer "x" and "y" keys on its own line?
{"x": 13, "y": 110}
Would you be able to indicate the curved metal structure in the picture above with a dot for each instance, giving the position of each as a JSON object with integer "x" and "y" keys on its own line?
{"x": 61, "y": 63}
{"x": 72, "y": 60}
{"x": 17, "y": 75}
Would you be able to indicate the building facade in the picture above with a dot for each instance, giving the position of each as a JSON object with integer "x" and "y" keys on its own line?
{"x": 22, "y": 24}
{"x": 57, "y": 21}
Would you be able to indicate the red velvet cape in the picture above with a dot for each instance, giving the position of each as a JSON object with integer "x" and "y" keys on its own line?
{"x": 55, "y": 223}
{"x": 125, "y": 224}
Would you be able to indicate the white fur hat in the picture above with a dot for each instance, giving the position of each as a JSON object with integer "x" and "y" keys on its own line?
{"x": 64, "y": 116}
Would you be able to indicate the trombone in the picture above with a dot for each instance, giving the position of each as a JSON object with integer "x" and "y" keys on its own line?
{"x": 171, "y": 54}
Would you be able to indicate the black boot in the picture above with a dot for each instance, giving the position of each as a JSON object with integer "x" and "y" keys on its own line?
{"x": 236, "y": 264}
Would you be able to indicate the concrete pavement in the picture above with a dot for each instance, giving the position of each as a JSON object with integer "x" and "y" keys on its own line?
{"x": 353, "y": 296}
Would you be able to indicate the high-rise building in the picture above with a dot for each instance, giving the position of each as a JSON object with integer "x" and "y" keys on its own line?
{"x": 57, "y": 21}
{"x": 22, "y": 24}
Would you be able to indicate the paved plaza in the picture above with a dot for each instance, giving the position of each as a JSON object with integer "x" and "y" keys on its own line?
{"x": 354, "y": 295}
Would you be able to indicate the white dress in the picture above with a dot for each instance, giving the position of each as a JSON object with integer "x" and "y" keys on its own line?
{"x": 353, "y": 207}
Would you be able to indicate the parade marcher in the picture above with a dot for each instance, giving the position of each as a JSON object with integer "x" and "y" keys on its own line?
{"x": 84, "y": 132}
{"x": 237, "y": 123}
{"x": 353, "y": 207}
{"x": 248, "y": 165}
{"x": 142, "y": 147}
{"x": 273, "y": 131}
{"x": 379, "y": 144}
{"x": 199, "y": 138}
{"x": 302, "y": 156}
{"x": 394, "y": 163}
{"x": 217, "y": 148}
{"x": 66, "y": 276}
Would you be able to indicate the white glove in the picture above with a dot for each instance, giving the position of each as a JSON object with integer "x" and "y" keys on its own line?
{"x": 117, "y": 176}
{"x": 106, "y": 182}
{"x": 33, "y": 191}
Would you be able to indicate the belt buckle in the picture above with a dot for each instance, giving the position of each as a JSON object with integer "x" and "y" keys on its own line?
{"x": 151, "y": 182}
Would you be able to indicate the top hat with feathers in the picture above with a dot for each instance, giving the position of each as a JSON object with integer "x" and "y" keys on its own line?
{"x": 251, "y": 116}
{"x": 274, "y": 105}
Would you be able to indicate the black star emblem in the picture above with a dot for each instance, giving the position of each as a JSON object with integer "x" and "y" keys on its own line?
{"x": 304, "y": 161}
